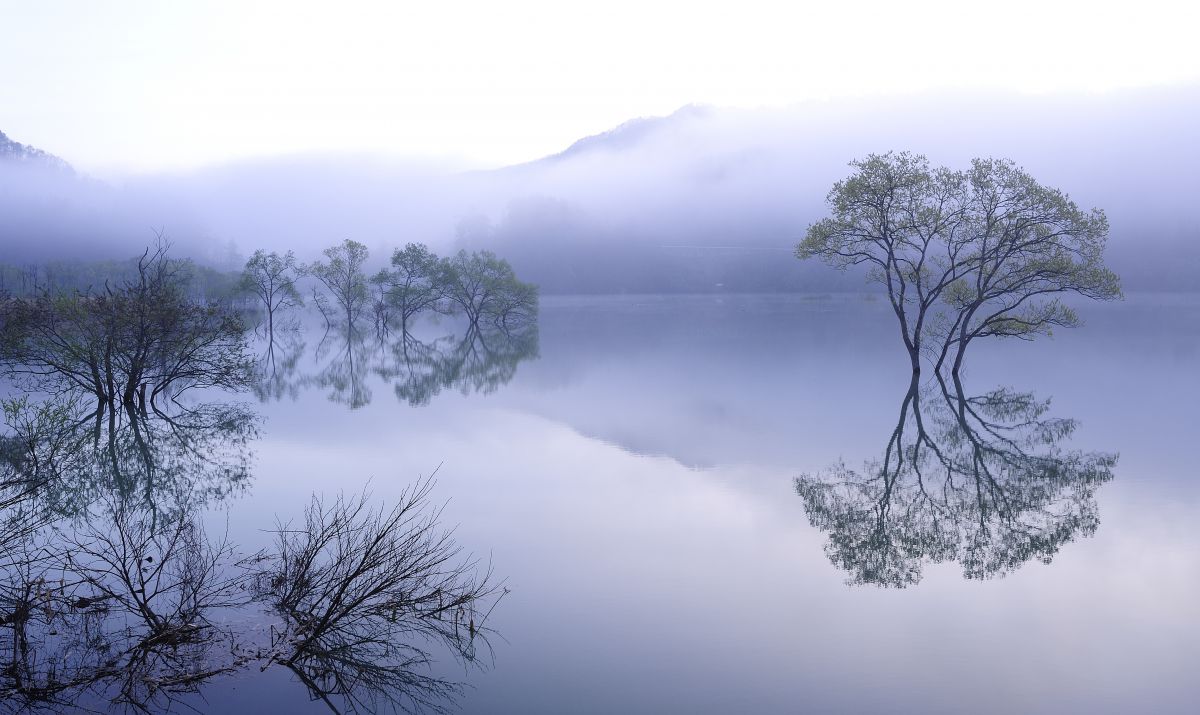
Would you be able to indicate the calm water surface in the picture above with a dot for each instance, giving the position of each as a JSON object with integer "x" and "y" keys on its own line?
{"x": 632, "y": 480}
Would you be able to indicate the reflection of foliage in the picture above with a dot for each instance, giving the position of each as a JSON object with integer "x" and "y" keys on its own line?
{"x": 68, "y": 457}
{"x": 977, "y": 480}
{"x": 109, "y": 588}
{"x": 481, "y": 361}
{"x": 345, "y": 374}
{"x": 360, "y": 592}
{"x": 275, "y": 370}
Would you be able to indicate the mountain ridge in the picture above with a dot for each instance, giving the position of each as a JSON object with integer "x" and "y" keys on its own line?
{"x": 15, "y": 152}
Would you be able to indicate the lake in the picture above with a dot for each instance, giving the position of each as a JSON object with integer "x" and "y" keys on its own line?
{"x": 631, "y": 478}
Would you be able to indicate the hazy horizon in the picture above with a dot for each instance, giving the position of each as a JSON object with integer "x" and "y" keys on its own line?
{"x": 148, "y": 86}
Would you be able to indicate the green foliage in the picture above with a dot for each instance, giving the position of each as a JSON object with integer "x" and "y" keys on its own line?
{"x": 963, "y": 254}
{"x": 413, "y": 284}
{"x": 480, "y": 285}
{"x": 271, "y": 278}
{"x": 342, "y": 274}
{"x": 485, "y": 287}
{"x": 197, "y": 282}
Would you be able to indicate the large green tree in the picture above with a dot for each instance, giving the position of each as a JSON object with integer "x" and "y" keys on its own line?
{"x": 963, "y": 254}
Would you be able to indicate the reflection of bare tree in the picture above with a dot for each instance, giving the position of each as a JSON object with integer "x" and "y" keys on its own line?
{"x": 115, "y": 608}
{"x": 481, "y": 361}
{"x": 978, "y": 480}
{"x": 363, "y": 593}
{"x": 123, "y": 608}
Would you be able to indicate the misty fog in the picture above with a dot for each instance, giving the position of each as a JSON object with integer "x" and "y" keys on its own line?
{"x": 706, "y": 199}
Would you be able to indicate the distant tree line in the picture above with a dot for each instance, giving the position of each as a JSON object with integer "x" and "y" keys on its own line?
{"x": 477, "y": 285}
{"x": 196, "y": 282}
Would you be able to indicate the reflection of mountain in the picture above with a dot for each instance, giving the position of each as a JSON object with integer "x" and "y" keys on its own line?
{"x": 981, "y": 481}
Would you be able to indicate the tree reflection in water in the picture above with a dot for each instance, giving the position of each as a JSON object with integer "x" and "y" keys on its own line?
{"x": 112, "y": 596}
{"x": 481, "y": 359}
{"x": 276, "y": 371}
{"x": 71, "y": 453}
{"x": 346, "y": 354}
{"x": 982, "y": 481}
{"x": 123, "y": 603}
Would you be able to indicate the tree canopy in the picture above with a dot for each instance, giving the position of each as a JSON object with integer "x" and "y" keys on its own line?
{"x": 963, "y": 254}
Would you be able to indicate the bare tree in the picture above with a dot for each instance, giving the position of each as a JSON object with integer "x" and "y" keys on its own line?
{"x": 132, "y": 343}
{"x": 360, "y": 590}
{"x": 119, "y": 607}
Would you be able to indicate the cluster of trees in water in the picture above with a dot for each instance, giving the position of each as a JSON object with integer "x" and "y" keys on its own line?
{"x": 478, "y": 285}
{"x": 371, "y": 322}
{"x": 127, "y": 607}
{"x": 112, "y": 594}
{"x": 150, "y": 328}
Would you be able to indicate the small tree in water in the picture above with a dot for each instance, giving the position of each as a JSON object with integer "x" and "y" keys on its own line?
{"x": 343, "y": 276}
{"x": 485, "y": 287}
{"x": 412, "y": 285}
{"x": 272, "y": 279}
{"x": 963, "y": 254}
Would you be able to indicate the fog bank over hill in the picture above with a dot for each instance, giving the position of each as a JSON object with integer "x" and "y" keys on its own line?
{"x": 705, "y": 199}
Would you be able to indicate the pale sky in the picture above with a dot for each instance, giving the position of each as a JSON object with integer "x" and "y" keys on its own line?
{"x": 144, "y": 86}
